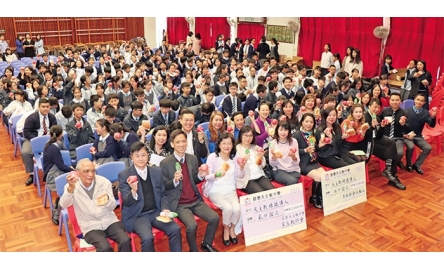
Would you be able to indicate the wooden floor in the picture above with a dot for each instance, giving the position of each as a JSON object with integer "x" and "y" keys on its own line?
{"x": 391, "y": 219}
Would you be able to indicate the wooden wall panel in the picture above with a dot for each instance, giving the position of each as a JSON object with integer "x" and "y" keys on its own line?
{"x": 63, "y": 30}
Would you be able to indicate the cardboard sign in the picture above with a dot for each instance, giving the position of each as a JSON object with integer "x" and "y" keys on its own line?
{"x": 273, "y": 213}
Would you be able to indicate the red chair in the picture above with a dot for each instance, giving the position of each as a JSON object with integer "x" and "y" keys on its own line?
{"x": 434, "y": 135}
{"x": 205, "y": 199}
{"x": 79, "y": 235}
{"x": 156, "y": 232}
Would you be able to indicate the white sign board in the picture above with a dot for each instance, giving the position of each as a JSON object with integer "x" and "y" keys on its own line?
{"x": 343, "y": 187}
{"x": 273, "y": 213}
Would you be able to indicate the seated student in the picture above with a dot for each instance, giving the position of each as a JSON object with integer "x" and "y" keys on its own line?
{"x": 271, "y": 96}
{"x": 134, "y": 119}
{"x": 42, "y": 92}
{"x": 165, "y": 116}
{"x": 101, "y": 93}
{"x": 96, "y": 111}
{"x": 418, "y": 117}
{"x": 182, "y": 192}
{"x": 215, "y": 127}
{"x": 207, "y": 94}
{"x": 147, "y": 109}
{"x": 252, "y": 102}
{"x": 54, "y": 105}
{"x": 274, "y": 77}
{"x": 329, "y": 154}
{"x": 146, "y": 199}
{"x": 237, "y": 121}
{"x": 320, "y": 87}
{"x": 220, "y": 187}
{"x": 316, "y": 75}
{"x": 206, "y": 109}
{"x": 169, "y": 91}
{"x": 19, "y": 105}
{"x": 186, "y": 99}
{"x": 92, "y": 198}
{"x": 246, "y": 147}
{"x": 308, "y": 156}
{"x": 126, "y": 97}
{"x": 231, "y": 103}
{"x": 64, "y": 116}
{"x": 36, "y": 124}
{"x": 78, "y": 98}
{"x": 252, "y": 78}
{"x": 105, "y": 146}
{"x": 330, "y": 76}
{"x": 124, "y": 138}
{"x": 113, "y": 100}
{"x": 79, "y": 131}
{"x": 53, "y": 165}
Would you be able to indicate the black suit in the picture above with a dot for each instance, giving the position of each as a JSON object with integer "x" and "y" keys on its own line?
{"x": 158, "y": 119}
{"x": 186, "y": 211}
{"x": 30, "y": 131}
{"x": 227, "y": 105}
{"x": 142, "y": 222}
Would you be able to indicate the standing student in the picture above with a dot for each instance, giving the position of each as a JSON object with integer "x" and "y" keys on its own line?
{"x": 39, "y": 50}
{"x": 418, "y": 117}
{"x": 165, "y": 116}
{"x": 144, "y": 200}
{"x": 28, "y": 45}
{"x": 326, "y": 59}
{"x": 185, "y": 199}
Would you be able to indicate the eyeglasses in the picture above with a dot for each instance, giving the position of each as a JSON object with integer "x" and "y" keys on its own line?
{"x": 89, "y": 171}
{"x": 247, "y": 136}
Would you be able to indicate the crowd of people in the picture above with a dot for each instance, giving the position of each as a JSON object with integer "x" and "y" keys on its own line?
{"x": 265, "y": 121}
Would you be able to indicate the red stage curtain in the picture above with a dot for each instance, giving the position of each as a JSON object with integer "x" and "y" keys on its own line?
{"x": 416, "y": 38}
{"x": 357, "y": 32}
{"x": 250, "y": 30}
{"x": 209, "y": 28}
{"x": 177, "y": 29}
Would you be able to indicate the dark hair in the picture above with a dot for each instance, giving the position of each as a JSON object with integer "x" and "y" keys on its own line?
{"x": 305, "y": 115}
{"x": 137, "y": 146}
{"x": 275, "y": 41}
{"x": 245, "y": 129}
{"x": 286, "y": 126}
{"x": 165, "y": 103}
{"x": 395, "y": 94}
{"x": 351, "y": 50}
{"x": 373, "y": 88}
{"x": 337, "y": 55}
{"x": 54, "y": 132}
{"x": 110, "y": 111}
{"x": 118, "y": 127}
{"x": 136, "y": 105}
{"x": 356, "y": 59}
{"x": 103, "y": 123}
{"x": 93, "y": 99}
{"x": 67, "y": 111}
{"x": 222, "y": 136}
{"x": 157, "y": 129}
{"x": 324, "y": 114}
{"x": 388, "y": 56}
{"x": 43, "y": 101}
{"x": 77, "y": 105}
{"x": 190, "y": 33}
{"x": 329, "y": 46}
{"x": 374, "y": 100}
{"x": 197, "y": 36}
{"x": 424, "y": 63}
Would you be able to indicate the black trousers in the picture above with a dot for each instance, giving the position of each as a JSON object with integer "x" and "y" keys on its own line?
{"x": 115, "y": 232}
{"x": 384, "y": 149}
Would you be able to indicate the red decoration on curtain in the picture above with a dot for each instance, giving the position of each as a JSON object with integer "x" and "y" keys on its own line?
{"x": 250, "y": 30}
{"x": 209, "y": 28}
{"x": 356, "y": 32}
{"x": 416, "y": 38}
{"x": 177, "y": 29}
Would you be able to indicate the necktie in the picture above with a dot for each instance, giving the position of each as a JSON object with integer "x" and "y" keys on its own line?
{"x": 45, "y": 129}
{"x": 166, "y": 119}
{"x": 233, "y": 109}
{"x": 392, "y": 127}
{"x": 181, "y": 160}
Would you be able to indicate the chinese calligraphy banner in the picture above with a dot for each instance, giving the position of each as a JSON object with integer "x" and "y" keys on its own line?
{"x": 343, "y": 187}
{"x": 273, "y": 213}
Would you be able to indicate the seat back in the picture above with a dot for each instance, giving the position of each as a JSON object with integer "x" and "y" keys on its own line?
{"x": 83, "y": 152}
{"x": 408, "y": 103}
{"x": 219, "y": 99}
{"x": 15, "y": 119}
{"x": 148, "y": 137}
{"x": 111, "y": 170}
{"x": 38, "y": 144}
{"x": 60, "y": 182}
{"x": 73, "y": 219}
{"x": 66, "y": 157}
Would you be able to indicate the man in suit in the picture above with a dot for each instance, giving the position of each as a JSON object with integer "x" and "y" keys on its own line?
{"x": 146, "y": 199}
{"x": 180, "y": 173}
{"x": 165, "y": 116}
{"x": 36, "y": 124}
{"x": 134, "y": 119}
{"x": 78, "y": 134}
{"x": 231, "y": 102}
{"x": 287, "y": 91}
{"x": 196, "y": 141}
{"x": 93, "y": 201}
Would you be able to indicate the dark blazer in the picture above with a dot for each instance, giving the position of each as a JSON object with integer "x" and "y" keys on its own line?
{"x": 399, "y": 130}
{"x": 233, "y": 49}
{"x": 32, "y": 124}
{"x": 132, "y": 124}
{"x": 284, "y": 93}
{"x": 251, "y": 103}
{"x": 227, "y": 106}
{"x": 249, "y": 52}
{"x": 158, "y": 119}
{"x": 263, "y": 49}
{"x": 416, "y": 82}
{"x": 168, "y": 170}
{"x": 110, "y": 149}
{"x": 302, "y": 144}
{"x": 217, "y": 91}
{"x": 385, "y": 69}
{"x": 68, "y": 96}
{"x": 276, "y": 53}
{"x": 132, "y": 208}
{"x": 78, "y": 137}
